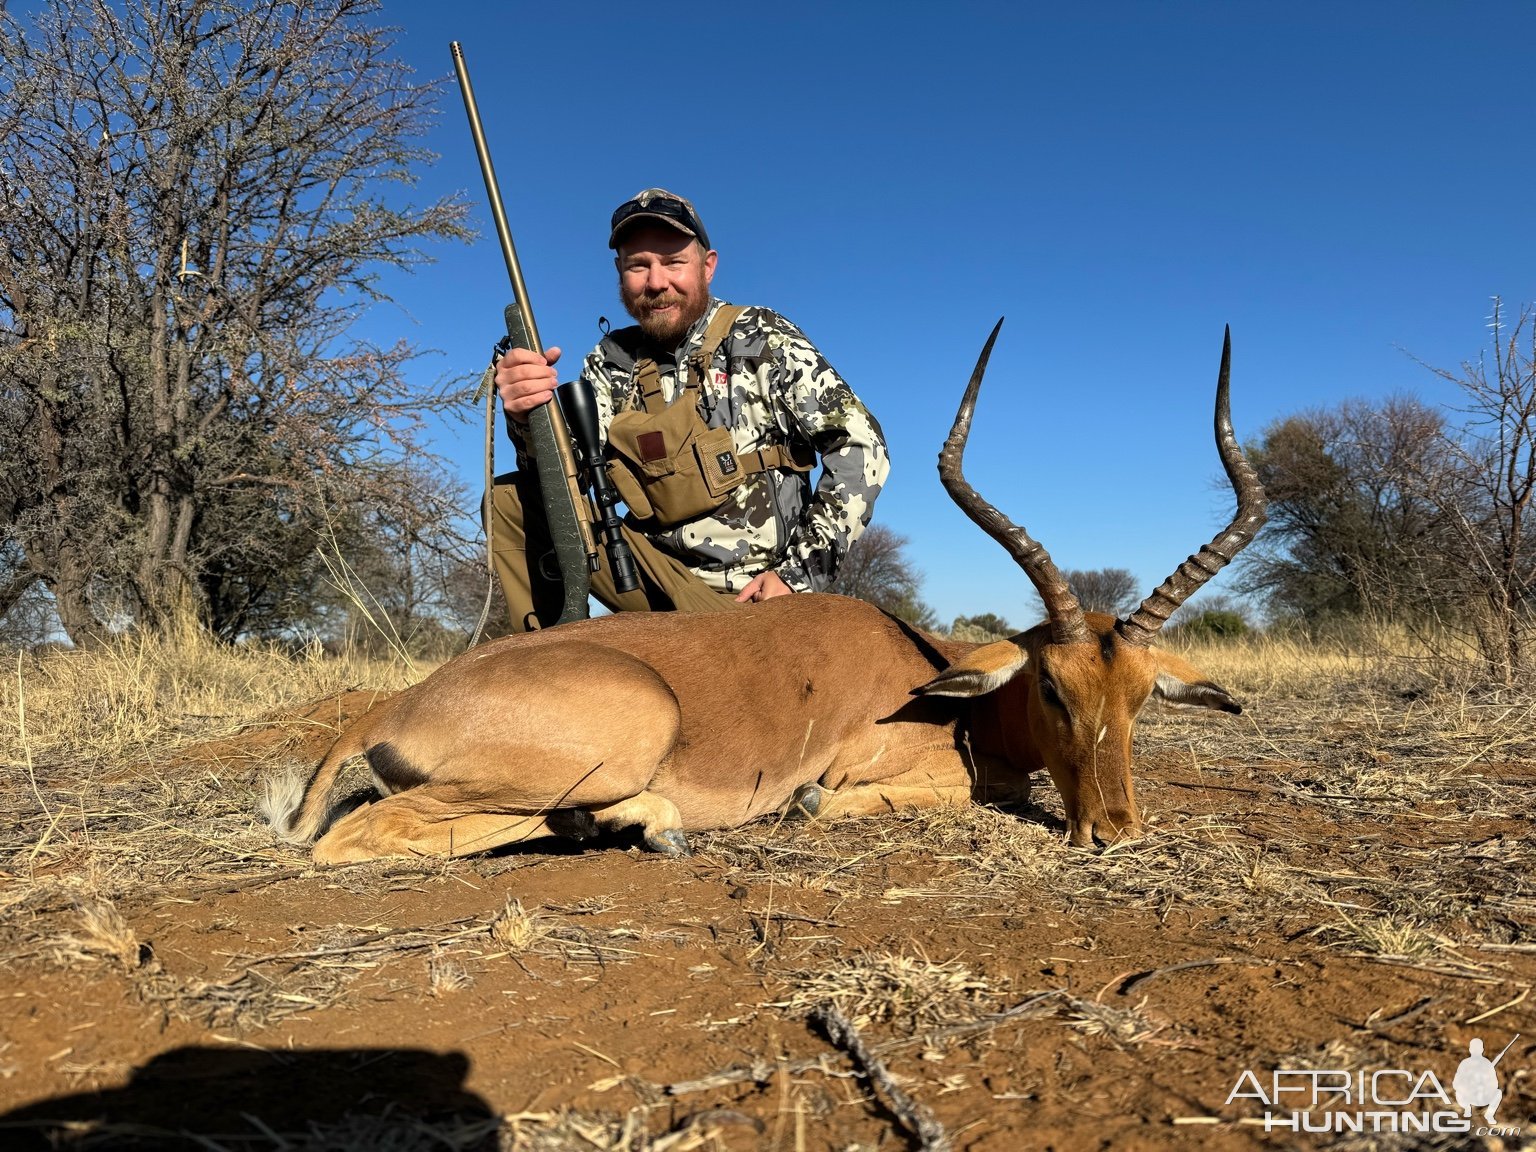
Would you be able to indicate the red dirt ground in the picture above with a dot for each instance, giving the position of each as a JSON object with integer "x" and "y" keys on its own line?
{"x": 273, "y": 1005}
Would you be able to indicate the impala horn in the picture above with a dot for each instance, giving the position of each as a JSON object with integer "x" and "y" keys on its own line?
{"x": 1066, "y": 614}
{"x": 1143, "y": 625}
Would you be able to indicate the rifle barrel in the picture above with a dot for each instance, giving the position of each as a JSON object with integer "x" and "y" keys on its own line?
{"x": 565, "y": 504}
{"x": 1506, "y": 1047}
{"x": 493, "y": 193}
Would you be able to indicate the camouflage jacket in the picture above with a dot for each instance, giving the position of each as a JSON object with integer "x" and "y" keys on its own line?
{"x": 768, "y": 385}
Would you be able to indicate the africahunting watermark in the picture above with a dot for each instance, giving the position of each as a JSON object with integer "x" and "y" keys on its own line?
{"x": 1383, "y": 1100}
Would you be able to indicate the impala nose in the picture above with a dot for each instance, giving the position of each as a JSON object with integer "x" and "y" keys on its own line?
{"x": 1106, "y": 830}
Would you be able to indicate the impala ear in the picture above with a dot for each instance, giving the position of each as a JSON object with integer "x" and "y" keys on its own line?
{"x": 1180, "y": 682}
{"x": 983, "y": 670}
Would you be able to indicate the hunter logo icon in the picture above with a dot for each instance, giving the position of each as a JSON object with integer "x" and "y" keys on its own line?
{"x": 1477, "y": 1084}
{"x": 1338, "y": 1100}
{"x": 727, "y": 463}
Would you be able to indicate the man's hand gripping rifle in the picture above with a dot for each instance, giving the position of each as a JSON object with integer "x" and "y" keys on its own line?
{"x": 550, "y": 430}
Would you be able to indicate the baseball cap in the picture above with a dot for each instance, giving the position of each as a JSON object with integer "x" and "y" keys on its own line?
{"x": 660, "y": 205}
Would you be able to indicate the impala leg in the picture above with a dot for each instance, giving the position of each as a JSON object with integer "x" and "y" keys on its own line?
{"x": 874, "y": 799}
{"x": 930, "y": 780}
{"x": 413, "y": 824}
{"x": 657, "y": 816}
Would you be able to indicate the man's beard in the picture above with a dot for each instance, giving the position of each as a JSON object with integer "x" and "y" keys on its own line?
{"x": 665, "y": 330}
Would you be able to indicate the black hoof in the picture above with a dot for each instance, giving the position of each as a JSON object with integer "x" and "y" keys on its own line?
{"x": 669, "y": 842}
{"x": 807, "y": 800}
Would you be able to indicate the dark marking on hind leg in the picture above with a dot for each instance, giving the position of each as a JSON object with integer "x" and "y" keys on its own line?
{"x": 573, "y": 823}
{"x": 392, "y": 770}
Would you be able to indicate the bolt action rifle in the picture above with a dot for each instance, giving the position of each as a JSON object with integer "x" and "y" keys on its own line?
{"x": 1506, "y": 1048}
{"x": 558, "y": 461}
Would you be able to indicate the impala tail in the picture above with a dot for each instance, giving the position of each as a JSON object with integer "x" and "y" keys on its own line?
{"x": 299, "y": 810}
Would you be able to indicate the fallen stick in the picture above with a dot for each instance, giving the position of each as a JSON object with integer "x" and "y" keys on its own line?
{"x": 914, "y": 1117}
{"x": 762, "y": 1071}
{"x": 1215, "y": 961}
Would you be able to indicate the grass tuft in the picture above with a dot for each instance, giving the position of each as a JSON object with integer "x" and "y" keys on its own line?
{"x": 518, "y": 930}
{"x": 100, "y": 934}
{"x": 912, "y": 992}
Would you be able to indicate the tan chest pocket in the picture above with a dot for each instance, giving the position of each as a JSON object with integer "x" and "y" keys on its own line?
{"x": 670, "y": 467}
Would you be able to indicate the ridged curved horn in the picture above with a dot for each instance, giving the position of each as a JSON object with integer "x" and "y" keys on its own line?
{"x": 1067, "y": 623}
{"x": 1142, "y": 625}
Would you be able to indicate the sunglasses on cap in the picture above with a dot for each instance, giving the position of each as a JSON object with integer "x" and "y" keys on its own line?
{"x": 660, "y": 205}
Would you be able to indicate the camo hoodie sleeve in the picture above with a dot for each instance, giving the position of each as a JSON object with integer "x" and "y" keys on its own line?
{"x": 822, "y": 410}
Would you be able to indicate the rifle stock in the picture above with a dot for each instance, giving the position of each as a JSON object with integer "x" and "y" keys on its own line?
{"x": 549, "y": 440}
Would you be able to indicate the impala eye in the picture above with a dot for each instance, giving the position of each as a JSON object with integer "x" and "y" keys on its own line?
{"x": 1049, "y": 695}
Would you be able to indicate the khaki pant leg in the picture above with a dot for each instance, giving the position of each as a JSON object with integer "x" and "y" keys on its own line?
{"x": 520, "y": 540}
{"x": 517, "y": 542}
{"x": 667, "y": 580}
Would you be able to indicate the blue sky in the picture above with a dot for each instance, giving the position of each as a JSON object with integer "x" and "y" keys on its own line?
{"x": 1343, "y": 184}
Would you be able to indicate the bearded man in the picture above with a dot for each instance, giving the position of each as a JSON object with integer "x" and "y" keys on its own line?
{"x": 714, "y": 418}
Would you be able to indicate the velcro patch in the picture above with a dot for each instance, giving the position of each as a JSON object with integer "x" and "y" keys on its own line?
{"x": 726, "y": 462}
{"x": 652, "y": 446}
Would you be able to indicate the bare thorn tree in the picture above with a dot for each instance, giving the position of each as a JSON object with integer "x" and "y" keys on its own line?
{"x": 1493, "y": 517}
{"x": 877, "y": 569}
{"x": 197, "y": 198}
{"x": 1112, "y": 590}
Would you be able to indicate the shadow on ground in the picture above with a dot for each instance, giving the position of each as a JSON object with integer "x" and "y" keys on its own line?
{"x": 197, "y": 1097}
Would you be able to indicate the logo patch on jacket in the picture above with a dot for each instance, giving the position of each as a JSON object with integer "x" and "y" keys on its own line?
{"x": 652, "y": 446}
{"x": 727, "y": 463}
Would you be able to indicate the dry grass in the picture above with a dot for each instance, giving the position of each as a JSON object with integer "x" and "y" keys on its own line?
{"x": 85, "y": 825}
{"x": 572, "y": 1130}
{"x": 140, "y": 695}
{"x": 519, "y": 930}
{"x": 1381, "y": 659}
{"x": 87, "y": 736}
{"x": 910, "y": 992}
{"x": 101, "y": 934}
{"x": 389, "y": 1132}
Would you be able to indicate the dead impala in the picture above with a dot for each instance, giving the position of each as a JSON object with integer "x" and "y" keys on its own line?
{"x": 813, "y": 703}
